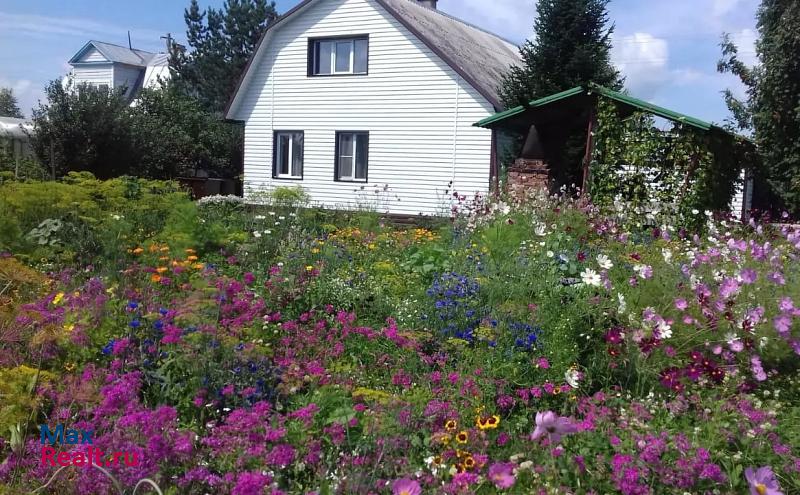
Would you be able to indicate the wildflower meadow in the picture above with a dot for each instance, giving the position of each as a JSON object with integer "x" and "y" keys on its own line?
{"x": 152, "y": 344}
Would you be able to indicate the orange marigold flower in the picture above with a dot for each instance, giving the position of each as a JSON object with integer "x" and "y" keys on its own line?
{"x": 138, "y": 251}
{"x": 189, "y": 251}
{"x": 192, "y": 258}
{"x": 155, "y": 278}
{"x": 161, "y": 269}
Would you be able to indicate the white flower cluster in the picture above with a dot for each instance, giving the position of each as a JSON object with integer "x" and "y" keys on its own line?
{"x": 220, "y": 199}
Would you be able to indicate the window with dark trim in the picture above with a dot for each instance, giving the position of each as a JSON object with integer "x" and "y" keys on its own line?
{"x": 352, "y": 156}
{"x": 338, "y": 56}
{"x": 287, "y": 155}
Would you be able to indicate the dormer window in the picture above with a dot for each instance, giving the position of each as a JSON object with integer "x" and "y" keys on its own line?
{"x": 338, "y": 56}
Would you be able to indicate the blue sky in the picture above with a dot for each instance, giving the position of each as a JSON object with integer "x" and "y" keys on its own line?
{"x": 667, "y": 48}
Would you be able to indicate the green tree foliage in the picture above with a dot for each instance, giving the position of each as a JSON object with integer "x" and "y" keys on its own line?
{"x": 9, "y": 107}
{"x": 772, "y": 107}
{"x": 221, "y": 43}
{"x": 174, "y": 135}
{"x": 165, "y": 135}
{"x": 83, "y": 129}
{"x": 571, "y": 46}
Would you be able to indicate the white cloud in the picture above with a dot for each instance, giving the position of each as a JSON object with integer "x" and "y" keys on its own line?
{"x": 643, "y": 60}
{"x": 39, "y": 26}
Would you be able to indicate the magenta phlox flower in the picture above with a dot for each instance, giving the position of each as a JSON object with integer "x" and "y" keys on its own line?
{"x": 502, "y": 475}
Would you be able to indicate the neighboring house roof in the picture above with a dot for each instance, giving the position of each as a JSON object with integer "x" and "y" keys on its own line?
{"x": 14, "y": 128}
{"x": 480, "y": 57}
{"x": 581, "y": 95}
{"x": 116, "y": 54}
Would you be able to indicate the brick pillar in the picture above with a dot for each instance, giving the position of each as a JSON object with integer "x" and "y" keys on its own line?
{"x": 526, "y": 176}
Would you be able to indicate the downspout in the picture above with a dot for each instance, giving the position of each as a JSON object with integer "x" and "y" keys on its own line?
{"x": 455, "y": 129}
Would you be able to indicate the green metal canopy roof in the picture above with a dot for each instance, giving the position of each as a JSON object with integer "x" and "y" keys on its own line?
{"x": 582, "y": 92}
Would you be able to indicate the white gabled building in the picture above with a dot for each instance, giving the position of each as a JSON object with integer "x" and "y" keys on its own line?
{"x": 112, "y": 66}
{"x": 371, "y": 103}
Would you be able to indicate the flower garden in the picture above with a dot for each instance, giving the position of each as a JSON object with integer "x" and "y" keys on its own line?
{"x": 549, "y": 347}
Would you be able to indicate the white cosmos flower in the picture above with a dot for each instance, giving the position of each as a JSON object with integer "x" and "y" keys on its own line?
{"x": 667, "y": 255}
{"x": 623, "y": 306}
{"x": 604, "y": 262}
{"x": 256, "y": 234}
{"x": 591, "y": 277}
{"x": 664, "y": 330}
{"x": 572, "y": 377}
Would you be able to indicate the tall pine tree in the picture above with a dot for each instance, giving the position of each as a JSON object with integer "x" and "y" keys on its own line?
{"x": 571, "y": 46}
{"x": 221, "y": 42}
{"x": 772, "y": 108}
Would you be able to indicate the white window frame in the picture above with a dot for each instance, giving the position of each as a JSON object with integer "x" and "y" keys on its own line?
{"x": 353, "y": 154}
{"x": 332, "y": 67}
{"x": 277, "y": 153}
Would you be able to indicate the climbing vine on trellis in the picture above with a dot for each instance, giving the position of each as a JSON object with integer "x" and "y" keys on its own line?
{"x": 685, "y": 167}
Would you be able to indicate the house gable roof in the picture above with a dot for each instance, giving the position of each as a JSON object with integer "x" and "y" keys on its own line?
{"x": 114, "y": 54}
{"x": 478, "y": 56}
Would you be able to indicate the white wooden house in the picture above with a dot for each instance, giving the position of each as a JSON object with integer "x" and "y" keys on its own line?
{"x": 371, "y": 103}
{"x": 105, "y": 65}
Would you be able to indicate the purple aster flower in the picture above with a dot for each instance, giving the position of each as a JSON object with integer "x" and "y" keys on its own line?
{"x": 405, "y": 486}
{"x": 553, "y": 426}
{"x": 502, "y": 475}
{"x": 762, "y": 481}
{"x": 681, "y": 304}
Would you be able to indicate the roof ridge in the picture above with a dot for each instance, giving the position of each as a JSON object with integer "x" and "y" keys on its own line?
{"x": 462, "y": 21}
{"x": 122, "y": 46}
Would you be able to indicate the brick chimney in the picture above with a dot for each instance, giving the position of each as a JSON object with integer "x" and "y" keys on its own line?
{"x": 431, "y": 4}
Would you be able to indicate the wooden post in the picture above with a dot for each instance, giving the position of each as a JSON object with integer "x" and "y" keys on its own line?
{"x": 587, "y": 159}
{"x": 494, "y": 180}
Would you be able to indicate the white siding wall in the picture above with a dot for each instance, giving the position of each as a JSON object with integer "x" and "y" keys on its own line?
{"x": 125, "y": 75}
{"x": 418, "y": 111}
{"x": 93, "y": 55}
{"x": 743, "y": 196}
{"x": 94, "y": 74}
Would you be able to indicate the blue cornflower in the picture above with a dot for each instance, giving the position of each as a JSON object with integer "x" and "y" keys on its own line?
{"x": 135, "y": 323}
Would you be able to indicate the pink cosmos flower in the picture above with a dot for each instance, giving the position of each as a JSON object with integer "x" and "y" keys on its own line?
{"x": 681, "y": 304}
{"x": 782, "y": 325}
{"x": 748, "y": 276}
{"x": 405, "y": 486}
{"x": 728, "y": 288}
{"x": 762, "y": 481}
{"x": 552, "y": 426}
{"x": 502, "y": 475}
{"x": 777, "y": 278}
{"x": 786, "y": 304}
